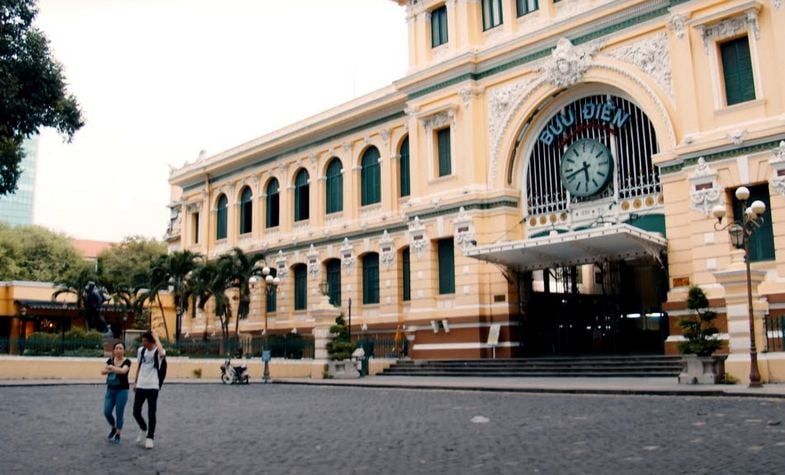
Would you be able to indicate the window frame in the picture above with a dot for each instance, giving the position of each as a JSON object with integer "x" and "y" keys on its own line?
{"x": 406, "y": 274}
{"x": 271, "y": 303}
{"x": 370, "y": 177}
{"x": 489, "y": 14}
{"x": 272, "y": 218}
{"x": 302, "y": 195}
{"x": 300, "y": 278}
{"x": 370, "y": 278}
{"x": 443, "y": 154}
{"x": 439, "y": 26}
{"x": 222, "y": 218}
{"x": 332, "y": 269}
{"x": 246, "y": 211}
{"x": 333, "y": 194}
{"x": 446, "y": 255}
{"x": 721, "y": 57}
{"x": 404, "y": 169}
{"x": 522, "y": 7}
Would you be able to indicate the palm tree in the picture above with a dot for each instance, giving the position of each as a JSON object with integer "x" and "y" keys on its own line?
{"x": 242, "y": 269}
{"x": 210, "y": 281}
{"x": 180, "y": 265}
{"x": 74, "y": 283}
{"x": 159, "y": 281}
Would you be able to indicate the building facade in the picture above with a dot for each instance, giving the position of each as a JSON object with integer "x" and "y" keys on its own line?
{"x": 540, "y": 182}
{"x": 17, "y": 208}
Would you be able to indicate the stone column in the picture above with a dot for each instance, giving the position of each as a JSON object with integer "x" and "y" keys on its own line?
{"x": 734, "y": 281}
{"x": 324, "y": 316}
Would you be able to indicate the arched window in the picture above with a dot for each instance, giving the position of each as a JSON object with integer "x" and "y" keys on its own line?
{"x": 221, "y": 212}
{"x": 273, "y": 204}
{"x": 371, "y": 180}
{"x": 404, "y": 168}
{"x": 246, "y": 210}
{"x": 371, "y": 278}
{"x": 300, "y": 287}
{"x": 334, "y": 198}
{"x": 333, "y": 267}
{"x": 301, "y": 195}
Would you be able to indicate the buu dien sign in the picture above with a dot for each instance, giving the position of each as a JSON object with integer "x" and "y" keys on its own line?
{"x": 605, "y": 112}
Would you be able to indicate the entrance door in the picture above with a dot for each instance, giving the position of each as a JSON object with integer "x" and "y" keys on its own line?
{"x": 619, "y": 313}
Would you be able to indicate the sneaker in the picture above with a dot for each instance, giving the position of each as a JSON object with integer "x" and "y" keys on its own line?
{"x": 140, "y": 438}
{"x": 116, "y": 439}
{"x": 148, "y": 443}
{"x": 111, "y": 434}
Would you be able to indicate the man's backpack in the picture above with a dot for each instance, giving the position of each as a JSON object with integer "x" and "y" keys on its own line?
{"x": 160, "y": 368}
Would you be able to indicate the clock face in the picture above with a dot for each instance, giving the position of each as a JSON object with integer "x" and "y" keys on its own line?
{"x": 586, "y": 168}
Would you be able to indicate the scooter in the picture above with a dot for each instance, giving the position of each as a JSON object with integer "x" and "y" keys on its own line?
{"x": 233, "y": 374}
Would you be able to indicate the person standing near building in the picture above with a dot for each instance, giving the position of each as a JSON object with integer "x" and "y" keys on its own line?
{"x": 116, "y": 371}
{"x": 151, "y": 356}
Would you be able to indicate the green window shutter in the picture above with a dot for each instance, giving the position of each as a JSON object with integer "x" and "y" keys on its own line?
{"x": 737, "y": 71}
{"x": 334, "y": 281}
{"x": 439, "y": 26}
{"x": 762, "y": 240}
{"x": 300, "y": 287}
{"x": 301, "y": 190}
{"x": 406, "y": 270}
{"x": 270, "y": 300}
{"x": 272, "y": 204}
{"x": 446, "y": 266}
{"x": 246, "y": 211}
{"x": 371, "y": 278}
{"x": 221, "y": 216}
{"x": 524, "y": 7}
{"x": 443, "y": 145}
{"x": 491, "y": 14}
{"x": 334, "y": 191}
{"x": 196, "y": 227}
{"x": 370, "y": 177}
{"x": 404, "y": 168}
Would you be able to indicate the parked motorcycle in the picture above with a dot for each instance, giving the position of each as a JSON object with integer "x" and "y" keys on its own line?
{"x": 233, "y": 374}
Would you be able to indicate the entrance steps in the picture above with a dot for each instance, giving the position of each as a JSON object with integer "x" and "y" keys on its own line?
{"x": 654, "y": 366}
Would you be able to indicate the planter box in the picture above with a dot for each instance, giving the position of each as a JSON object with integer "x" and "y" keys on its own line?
{"x": 344, "y": 369}
{"x": 702, "y": 369}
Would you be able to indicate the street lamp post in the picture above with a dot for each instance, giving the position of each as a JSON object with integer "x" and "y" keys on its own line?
{"x": 740, "y": 233}
{"x": 269, "y": 284}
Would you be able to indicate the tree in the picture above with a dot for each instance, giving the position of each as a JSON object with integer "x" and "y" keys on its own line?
{"x": 699, "y": 329}
{"x": 211, "y": 281}
{"x": 74, "y": 283}
{"x": 180, "y": 265}
{"x": 241, "y": 269}
{"x": 37, "y": 254}
{"x": 130, "y": 261}
{"x": 32, "y": 89}
{"x": 151, "y": 293}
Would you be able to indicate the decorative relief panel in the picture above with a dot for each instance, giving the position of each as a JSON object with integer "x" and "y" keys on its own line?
{"x": 313, "y": 262}
{"x": 730, "y": 27}
{"x": 417, "y": 239}
{"x": 386, "y": 250}
{"x": 705, "y": 192}
{"x": 652, "y": 56}
{"x": 280, "y": 265}
{"x": 778, "y": 169}
{"x": 464, "y": 231}
{"x": 568, "y": 63}
{"x": 347, "y": 255}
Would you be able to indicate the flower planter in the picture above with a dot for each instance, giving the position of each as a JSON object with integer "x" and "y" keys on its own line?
{"x": 342, "y": 369}
{"x": 702, "y": 369}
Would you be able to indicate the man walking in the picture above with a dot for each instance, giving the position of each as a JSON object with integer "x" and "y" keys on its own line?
{"x": 150, "y": 355}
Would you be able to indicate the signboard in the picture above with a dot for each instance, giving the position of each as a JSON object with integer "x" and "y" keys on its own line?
{"x": 607, "y": 114}
{"x": 493, "y": 334}
{"x": 266, "y": 356}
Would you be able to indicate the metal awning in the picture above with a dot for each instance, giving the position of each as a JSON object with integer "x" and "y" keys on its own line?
{"x": 608, "y": 243}
{"x": 54, "y": 306}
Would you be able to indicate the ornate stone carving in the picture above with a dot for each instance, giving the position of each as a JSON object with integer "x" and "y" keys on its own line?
{"x": 464, "y": 230}
{"x": 737, "y": 136}
{"x": 439, "y": 120}
{"x": 704, "y": 190}
{"x": 313, "y": 261}
{"x": 280, "y": 265}
{"x": 652, "y": 56}
{"x": 385, "y": 135}
{"x": 778, "y": 168}
{"x": 386, "y": 250}
{"x": 193, "y": 206}
{"x": 466, "y": 96}
{"x": 568, "y": 63}
{"x": 730, "y": 27}
{"x": 678, "y": 24}
{"x": 417, "y": 239}
{"x": 347, "y": 255}
{"x": 777, "y": 4}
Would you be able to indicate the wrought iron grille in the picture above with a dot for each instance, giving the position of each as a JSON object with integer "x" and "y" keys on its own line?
{"x": 632, "y": 147}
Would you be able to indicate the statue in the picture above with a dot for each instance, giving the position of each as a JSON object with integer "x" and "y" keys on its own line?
{"x": 93, "y": 298}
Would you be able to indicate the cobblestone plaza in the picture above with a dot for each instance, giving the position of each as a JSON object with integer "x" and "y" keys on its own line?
{"x": 209, "y": 428}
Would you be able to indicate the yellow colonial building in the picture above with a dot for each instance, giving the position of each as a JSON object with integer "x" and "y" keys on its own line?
{"x": 541, "y": 182}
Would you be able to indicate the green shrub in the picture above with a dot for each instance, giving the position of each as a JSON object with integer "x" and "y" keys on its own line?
{"x": 698, "y": 328}
{"x": 341, "y": 347}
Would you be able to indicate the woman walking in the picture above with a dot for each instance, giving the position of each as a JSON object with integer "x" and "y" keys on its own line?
{"x": 116, "y": 371}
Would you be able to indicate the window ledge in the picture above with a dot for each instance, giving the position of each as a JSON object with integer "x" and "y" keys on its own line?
{"x": 370, "y": 208}
{"x": 445, "y": 178}
{"x": 334, "y": 214}
{"x": 754, "y": 104}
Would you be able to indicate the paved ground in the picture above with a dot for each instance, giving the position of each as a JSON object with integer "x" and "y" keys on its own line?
{"x": 211, "y": 428}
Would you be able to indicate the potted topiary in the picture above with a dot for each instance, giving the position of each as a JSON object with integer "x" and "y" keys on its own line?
{"x": 339, "y": 352}
{"x": 699, "y": 364}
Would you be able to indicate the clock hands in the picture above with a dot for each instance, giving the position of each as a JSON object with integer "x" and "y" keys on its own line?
{"x": 584, "y": 168}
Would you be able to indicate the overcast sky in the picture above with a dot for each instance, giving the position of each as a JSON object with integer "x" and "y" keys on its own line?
{"x": 160, "y": 80}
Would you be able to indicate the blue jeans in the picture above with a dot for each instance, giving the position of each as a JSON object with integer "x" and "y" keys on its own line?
{"x": 115, "y": 399}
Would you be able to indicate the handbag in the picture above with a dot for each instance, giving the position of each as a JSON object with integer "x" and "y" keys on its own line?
{"x": 113, "y": 380}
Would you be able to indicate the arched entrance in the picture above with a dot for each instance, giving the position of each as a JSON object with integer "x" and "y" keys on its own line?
{"x": 592, "y": 267}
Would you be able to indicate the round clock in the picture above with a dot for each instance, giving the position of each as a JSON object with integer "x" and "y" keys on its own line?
{"x": 586, "y": 168}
